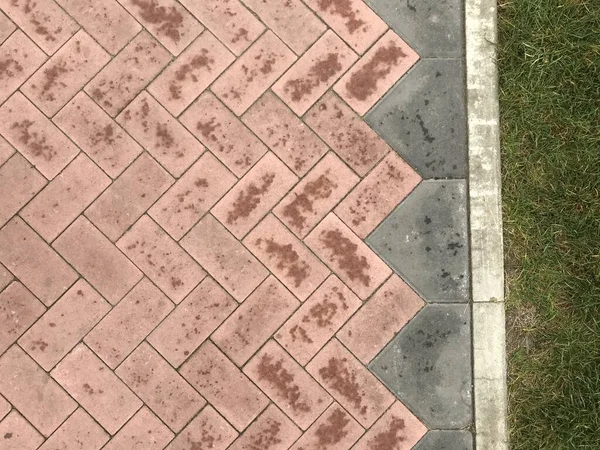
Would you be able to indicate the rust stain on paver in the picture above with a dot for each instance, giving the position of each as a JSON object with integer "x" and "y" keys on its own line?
{"x": 52, "y": 76}
{"x": 267, "y": 438}
{"x": 319, "y": 73}
{"x": 5, "y": 68}
{"x": 282, "y": 380}
{"x": 249, "y": 199}
{"x": 347, "y": 257}
{"x": 181, "y": 74}
{"x": 287, "y": 259}
{"x": 169, "y": 20}
{"x": 343, "y": 381}
{"x": 32, "y": 139}
{"x": 343, "y": 8}
{"x": 390, "y": 438}
{"x": 319, "y": 189}
{"x": 334, "y": 430}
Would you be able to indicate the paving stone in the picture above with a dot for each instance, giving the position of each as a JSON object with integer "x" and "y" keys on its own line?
{"x": 6, "y": 151}
{"x": 223, "y": 133}
{"x": 19, "y": 59}
{"x": 208, "y": 428}
{"x": 160, "y": 134}
{"x": 34, "y": 262}
{"x": 5, "y": 407}
{"x": 98, "y": 260}
{"x": 224, "y": 385}
{"x": 65, "y": 197}
{"x": 446, "y": 440}
{"x": 315, "y": 72}
{"x": 31, "y": 390}
{"x": 96, "y": 388}
{"x": 425, "y": 239}
{"x": 100, "y": 137}
{"x": 167, "y": 20}
{"x": 247, "y": 329}
{"x": 63, "y": 75}
{"x": 435, "y": 28}
{"x": 191, "y": 73}
{"x": 192, "y": 321}
{"x": 18, "y": 434}
{"x": 427, "y": 366}
{"x": 78, "y": 432}
{"x": 224, "y": 258}
{"x": 19, "y": 309}
{"x": 254, "y": 72}
{"x": 35, "y": 137}
{"x": 128, "y": 323}
{"x": 6, "y": 27}
{"x": 124, "y": 202}
{"x": 105, "y": 20}
{"x": 64, "y": 325}
{"x": 423, "y": 118}
{"x": 143, "y": 429}
{"x": 161, "y": 259}
{"x": 160, "y": 387}
{"x": 128, "y": 73}
{"x": 5, "y": 277}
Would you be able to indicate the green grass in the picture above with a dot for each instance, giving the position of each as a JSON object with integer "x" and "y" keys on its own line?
{"x": 549, "y": 62}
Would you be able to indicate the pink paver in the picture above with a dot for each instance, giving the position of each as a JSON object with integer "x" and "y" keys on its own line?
{"x": 351, "y": 138}
{"x": 224, "y": 385}
{"x": 350, "y": 383}
{"x": 19, "y": 182}
{"x": 378, "y": 194}
{"x": 257, "y": 69}
{"x": 167, "y": 20}
{"x": 207, "y": 429}
{"x": 316, "y": 195}
{"x": 191, "y": 73}
{"x": 229, "y": 20}
{"x": 161, "y": 259}
{"x": 286, "y": 135}
{"x": 19, "y": 309}
{"x": 397, "y": 427}
{"x": 31, "y": 390}
{"x": 96, "y": 388}
{"x": 159, "y": 133}
{"x": 317, "y": 320}
{"x": 250, "y": 200}
{"x": 6, "y": 27}
{"x": 98, "y": 260}
{"x": 391, "y": 307}
{"x": 291, "y": 20}
{"x": 6, "y": 150}
{"x": 5, "y": 407}
{"x": 128, "y": 323}
{"x": 287, "y": 384}
{"x": 224, "y": 257}
{"x": 5, "y": 277}
{"x": 186, "y": 202}
{"x": 35, "y": 137}
{"x": 349, "y": 257}
{"x": 128, "y": 73}
{"x": 271, "y": 431}
{"x": 100, "y": 137}
{"x": 144, "y": 430}
{"x": 19, "y": 59}
{"x": 78, "y": 432}
{"x": 63, "y": 75}
{"x": 223, "y": 133}
{"x": 64, "y": 325}
{"x": 376, "y": 72}
{"x": 124, "y": 202}
{"x": 255, "y": 320}
{"x": 65, "y": 197}
{"x": 18, "y": 434}
{"x": 286, "y": 257}
{"x": 315, "y": 72}
{"x": 160, "y": 387}
{"x": 353, "y": 20}
{"x": 34, "y": 262}
{"x": 334, "y": 430}
{"x": 43, "y": 20}
{"x": 105, "y": 20}
{"x": 192, "y": 321}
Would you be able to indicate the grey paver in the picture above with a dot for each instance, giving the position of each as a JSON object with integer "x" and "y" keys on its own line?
{"x": 446, "y": 440}
{"x": 424, "y": 118}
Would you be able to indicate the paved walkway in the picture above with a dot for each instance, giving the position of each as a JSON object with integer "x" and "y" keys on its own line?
{"x": 233, "y": 225}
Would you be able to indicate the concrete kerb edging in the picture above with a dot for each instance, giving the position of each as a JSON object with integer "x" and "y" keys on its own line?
{"x": 489, "y": 360}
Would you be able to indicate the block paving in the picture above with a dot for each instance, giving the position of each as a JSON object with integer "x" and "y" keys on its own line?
{"x": 187, "y": 194}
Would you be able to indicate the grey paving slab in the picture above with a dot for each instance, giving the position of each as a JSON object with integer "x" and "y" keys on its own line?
{"x": 425, "y": 240}
{"x": 428, "y": 366}
{"x": 446, "y": 440}
{"x": 434, "y": 28}
{"x": 424, "y": 118}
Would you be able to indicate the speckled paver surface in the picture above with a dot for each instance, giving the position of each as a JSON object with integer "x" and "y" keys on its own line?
{"x": 233, "y": 224}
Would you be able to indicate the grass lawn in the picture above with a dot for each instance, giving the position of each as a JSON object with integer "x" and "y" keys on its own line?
{"x": 550, "y": 109}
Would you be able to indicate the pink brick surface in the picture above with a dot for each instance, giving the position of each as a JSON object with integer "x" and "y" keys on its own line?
{"x": 6, "y": 27}
{"x": 18, "y": 434}
{"x": 19, "y": 309}
{"x": 144, "y": 429}
{"x": 5, "y": 277}
{"x": 6, "y": 150}
{"x": 79, "y": 432}
{"x": 207, "y": 429}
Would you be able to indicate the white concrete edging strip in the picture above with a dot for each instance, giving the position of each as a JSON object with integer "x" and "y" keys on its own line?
{"x": 487, "y": 263}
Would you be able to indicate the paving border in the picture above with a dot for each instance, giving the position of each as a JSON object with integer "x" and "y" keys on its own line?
{"x": 487, "y": 270}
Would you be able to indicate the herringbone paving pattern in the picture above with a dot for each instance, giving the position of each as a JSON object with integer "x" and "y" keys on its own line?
{"x": 185, "y": 187}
